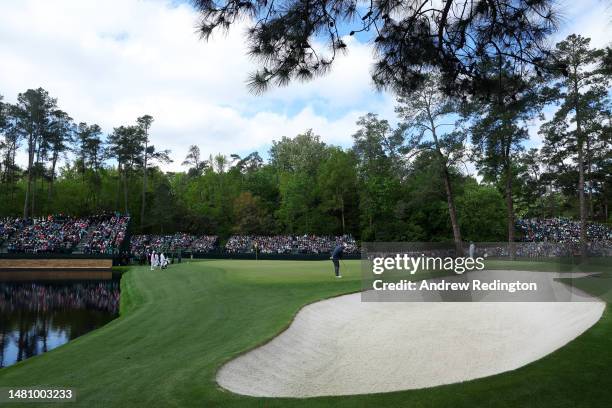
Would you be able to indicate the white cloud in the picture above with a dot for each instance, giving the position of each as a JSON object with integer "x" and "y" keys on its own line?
{"x": 110, "y": 62}
{"x": 591, "y": 18}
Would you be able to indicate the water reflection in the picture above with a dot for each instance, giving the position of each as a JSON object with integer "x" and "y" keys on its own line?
{"x": 38, "y": 316}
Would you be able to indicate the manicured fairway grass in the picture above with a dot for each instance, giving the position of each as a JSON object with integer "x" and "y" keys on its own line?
{"x": 179, "y": 326}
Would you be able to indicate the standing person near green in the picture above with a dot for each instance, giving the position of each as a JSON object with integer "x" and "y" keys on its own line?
{"x": 337, "y": 254}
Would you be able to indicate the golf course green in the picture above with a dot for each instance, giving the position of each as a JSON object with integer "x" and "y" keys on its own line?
{"x": 178, "y": 326}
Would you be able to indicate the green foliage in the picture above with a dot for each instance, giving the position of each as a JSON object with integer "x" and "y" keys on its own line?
{"x": 250, "y": 216}
{"x": 481, "y": 213}
{"x": 369, "y": 191}
{"x": 337, "y": 182}
{"x": 301, "y": 154}
{"x": 163, "y": 210}
{"x": 577, "y": 138}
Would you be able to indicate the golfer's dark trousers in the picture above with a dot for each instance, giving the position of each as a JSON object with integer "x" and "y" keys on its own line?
{"x": 336, "y": 266}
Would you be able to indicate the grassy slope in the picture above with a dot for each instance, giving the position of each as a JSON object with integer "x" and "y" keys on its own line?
{"x": 177, "y": 328}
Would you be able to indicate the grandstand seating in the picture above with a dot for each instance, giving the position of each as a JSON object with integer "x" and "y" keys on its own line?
{"x": 100, "y": 234}
{"x": 143, "y": 244}
{"x": 286, "y": 244}
{"x": 104, "y": 234}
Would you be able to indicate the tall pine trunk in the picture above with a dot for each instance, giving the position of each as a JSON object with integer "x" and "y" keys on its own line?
{"x": 509, "y": 202}
{"x": 11, "y": 174}
{"x": 33, "y": 192}
{"x": 582, "y": 201}
{"x": 452, "y": 213}
{"x": 144, "y": 188}
{"x": 26, "y": 204}
{"x": 589, "y": 175}
{"x": 52, "y": 180}
{"x": 583, "y": 237}
{"x": 450, "y": 201}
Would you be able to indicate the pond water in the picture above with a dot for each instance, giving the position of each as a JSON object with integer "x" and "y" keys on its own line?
{"x": 39, "y": 316}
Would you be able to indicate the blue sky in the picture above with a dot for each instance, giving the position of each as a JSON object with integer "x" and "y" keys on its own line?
{"x": 110, "y": 62}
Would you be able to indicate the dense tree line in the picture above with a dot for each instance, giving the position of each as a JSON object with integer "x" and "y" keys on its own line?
{"x": 402, "y": 182}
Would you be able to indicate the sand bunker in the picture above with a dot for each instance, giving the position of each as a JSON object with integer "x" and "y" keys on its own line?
{"x": 342, "y": 346}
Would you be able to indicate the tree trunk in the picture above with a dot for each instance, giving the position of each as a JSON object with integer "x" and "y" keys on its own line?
{"x": 144, "y": 188}
{"x": 50, "y": 193}
{"x": 5, "y": 171}
{"x": 12, "y": 171}
{"x": 449, "y": 193}
{"x": 583, "y": 237}
{"x": 580, "y": 141}
{"x": 452, "y": 213}
{"x": 7, "y": 163}
{"x": 509, "y": 205}
{"x": 96, "y": 176}
{"x": 552, "y": 200}
{"x": 26, "y": 204}
{"x": 33, "y": 192}
{"x": 83, "y": 167}
{"x": 589, "y": 177}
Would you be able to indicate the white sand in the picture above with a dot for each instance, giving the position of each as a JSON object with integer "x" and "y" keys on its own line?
{"x": 342, "y": 346}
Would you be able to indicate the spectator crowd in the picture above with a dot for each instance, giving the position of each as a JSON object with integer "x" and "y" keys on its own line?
{"x": 98, "y": 234}
{"x": 142, "y": 245}
{"x": 8, "y": 226}
{"x": 204, "y": 243}
{"x": 55, "y": 233}
{"x": 560, "y": 230}
{"x": 555, "y": 237}
{"x": 287, "y": 244}
{"x": 106, "y": 235}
